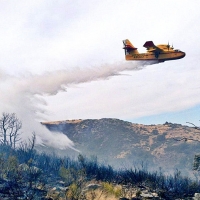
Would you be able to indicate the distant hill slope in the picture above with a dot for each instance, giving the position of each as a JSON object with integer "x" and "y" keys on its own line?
{"x": 122, "y": 143}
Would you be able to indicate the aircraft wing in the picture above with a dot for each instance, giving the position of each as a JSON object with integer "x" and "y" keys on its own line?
{"x": 152, "y": 47}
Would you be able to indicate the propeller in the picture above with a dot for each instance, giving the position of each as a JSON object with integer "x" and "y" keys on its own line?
{"x": 168, "y": 46}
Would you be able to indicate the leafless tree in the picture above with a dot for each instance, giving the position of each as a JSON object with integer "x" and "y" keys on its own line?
{"x": 10, "y": 126}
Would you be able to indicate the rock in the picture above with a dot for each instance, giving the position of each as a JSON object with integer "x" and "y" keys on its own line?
{"x": 54, "y": 188}
{"x": 149, "y": 195}
{"x": 61, "y": 183}
{"x": 196, "y": 196}
{"x": 146, "y": 195}
{"x": 91, "y": 186}
{"x": 24, "y": 167}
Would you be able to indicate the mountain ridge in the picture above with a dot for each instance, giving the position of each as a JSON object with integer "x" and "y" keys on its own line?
{"x": 125, "y": 143}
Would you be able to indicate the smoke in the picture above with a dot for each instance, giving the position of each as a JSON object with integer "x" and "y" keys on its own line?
{"x": 22, "y": 95}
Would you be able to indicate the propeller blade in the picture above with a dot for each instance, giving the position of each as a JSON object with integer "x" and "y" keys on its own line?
{"x": 168, "y": 46}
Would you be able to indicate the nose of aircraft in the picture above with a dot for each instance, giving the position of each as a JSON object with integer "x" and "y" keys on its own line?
{"x": 183, "y": 54}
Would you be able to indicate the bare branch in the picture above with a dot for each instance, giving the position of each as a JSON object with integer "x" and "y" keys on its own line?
{"x": 32, "y": 141}
{"x": 9, "y": 128}
{"x": 196, "y": 127}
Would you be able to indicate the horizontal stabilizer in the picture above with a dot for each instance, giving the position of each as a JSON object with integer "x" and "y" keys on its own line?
{"x": 129, "y": 47}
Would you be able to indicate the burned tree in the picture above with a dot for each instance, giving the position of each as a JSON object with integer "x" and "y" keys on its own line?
{"x": 10, "y": 126}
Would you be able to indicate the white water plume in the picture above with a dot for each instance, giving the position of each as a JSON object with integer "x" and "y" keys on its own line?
{"x": 22, "y": 95}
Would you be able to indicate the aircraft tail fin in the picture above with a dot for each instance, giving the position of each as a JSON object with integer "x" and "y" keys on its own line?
{"x": 129, "y": 48}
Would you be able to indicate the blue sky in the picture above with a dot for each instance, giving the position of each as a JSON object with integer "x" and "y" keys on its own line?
{"x": 64, "y": 60}
{"x": 181, "y": 117}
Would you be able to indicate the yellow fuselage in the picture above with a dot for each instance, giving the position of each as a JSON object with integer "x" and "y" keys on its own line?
{"x": 163, "y": 56}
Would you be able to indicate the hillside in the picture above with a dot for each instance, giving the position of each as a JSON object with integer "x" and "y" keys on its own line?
{"x": 124, "y": 144}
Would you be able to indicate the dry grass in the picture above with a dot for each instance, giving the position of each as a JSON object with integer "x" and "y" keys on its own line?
{"x": 100, "y": 195}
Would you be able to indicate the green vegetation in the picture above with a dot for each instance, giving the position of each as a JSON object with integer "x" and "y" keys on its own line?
{"x": 27, "y": 174}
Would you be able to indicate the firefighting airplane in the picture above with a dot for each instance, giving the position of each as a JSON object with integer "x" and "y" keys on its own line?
{"x": 161, "y": 53}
